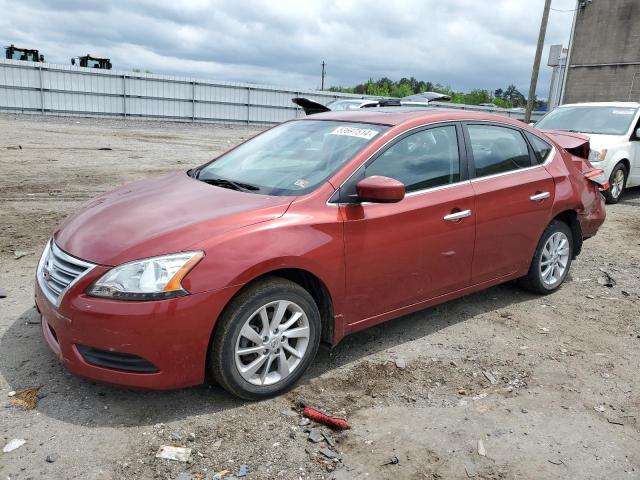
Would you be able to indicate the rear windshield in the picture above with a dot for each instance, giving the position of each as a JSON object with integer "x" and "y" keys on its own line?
{"x": 293, "y": 158}
{"x": 344, "y": 105}
{"x": 589, "y": 119}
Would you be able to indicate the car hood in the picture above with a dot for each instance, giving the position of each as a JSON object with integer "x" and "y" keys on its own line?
{"x": 598, "y": 142}
{"x": 158, "y": 216}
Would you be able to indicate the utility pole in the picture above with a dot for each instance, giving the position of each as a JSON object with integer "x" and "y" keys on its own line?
{"x": 322, "y": 84}
{"x": 567, "y": 60}
{"x": 536, "y": 61}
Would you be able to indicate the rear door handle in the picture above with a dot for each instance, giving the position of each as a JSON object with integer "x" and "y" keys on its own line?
{"x": 452, "y": 217}
{"x": 539, "y": 196}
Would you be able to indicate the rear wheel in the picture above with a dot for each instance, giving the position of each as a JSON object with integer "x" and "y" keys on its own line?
{"x": 617, "y": 182}
{"x": 551, "y": 260}
{"x": 265, "y": 340}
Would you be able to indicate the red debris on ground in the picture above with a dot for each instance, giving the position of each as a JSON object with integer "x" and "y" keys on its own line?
{"x": 317, "y": 416}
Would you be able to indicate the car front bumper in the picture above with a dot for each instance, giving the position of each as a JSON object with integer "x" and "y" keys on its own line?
{"x": 144, "y": 345}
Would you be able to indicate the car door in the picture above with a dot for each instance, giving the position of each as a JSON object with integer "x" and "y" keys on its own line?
{"x": 514, "y": 196}
{"x": 403, "y": 253}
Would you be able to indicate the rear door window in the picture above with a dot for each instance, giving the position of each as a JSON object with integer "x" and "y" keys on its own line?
{"x": 497, "y": 149}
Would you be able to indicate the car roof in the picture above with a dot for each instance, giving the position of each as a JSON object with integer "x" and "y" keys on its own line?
{"x": 602, "y": 104}
{"x": 393, "y": 116}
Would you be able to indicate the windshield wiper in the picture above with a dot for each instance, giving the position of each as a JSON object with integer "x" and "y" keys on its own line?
{"x": 224, "y": 183}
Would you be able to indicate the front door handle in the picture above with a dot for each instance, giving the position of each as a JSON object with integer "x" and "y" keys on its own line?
{"x": 539, "y": 196}
{"x": 452, "y": 217}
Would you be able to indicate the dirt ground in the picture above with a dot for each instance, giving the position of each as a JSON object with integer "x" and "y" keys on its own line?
{"x": 498, "y": 385}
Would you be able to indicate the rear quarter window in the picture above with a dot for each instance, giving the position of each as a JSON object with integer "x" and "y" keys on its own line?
{"x": 541, "y": 148}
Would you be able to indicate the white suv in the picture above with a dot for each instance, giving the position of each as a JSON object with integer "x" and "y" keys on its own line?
{"x": 614, "y": 132}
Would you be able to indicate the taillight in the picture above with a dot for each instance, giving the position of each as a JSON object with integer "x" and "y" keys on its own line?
{"x": 598, "y": 177}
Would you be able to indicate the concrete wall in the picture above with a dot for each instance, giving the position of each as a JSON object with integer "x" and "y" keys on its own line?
{"x": 605, "y": 55}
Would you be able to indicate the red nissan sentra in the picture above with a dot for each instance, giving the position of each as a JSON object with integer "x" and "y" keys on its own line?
{"x": 312, "y": 230}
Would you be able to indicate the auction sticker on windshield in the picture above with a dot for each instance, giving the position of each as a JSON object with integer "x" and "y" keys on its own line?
{"x": 365, "y": 133}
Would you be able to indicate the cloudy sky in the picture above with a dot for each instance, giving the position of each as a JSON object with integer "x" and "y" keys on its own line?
{"x": 462, "y": 43}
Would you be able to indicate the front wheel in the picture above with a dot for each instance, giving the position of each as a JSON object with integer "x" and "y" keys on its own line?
{"x": 266, "y": 339}
{"x": 617, "y": 182}
{"x": 551, "y": 260}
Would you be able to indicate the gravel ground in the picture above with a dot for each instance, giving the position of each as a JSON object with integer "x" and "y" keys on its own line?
{"x": 500, "y": 384}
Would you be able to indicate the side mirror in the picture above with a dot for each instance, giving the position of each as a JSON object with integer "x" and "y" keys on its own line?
{"x": 73, "y": 61}
{"x": 42, "y": 58}
{"x": 637, "y": 133}
{"x": 378, "y": 189}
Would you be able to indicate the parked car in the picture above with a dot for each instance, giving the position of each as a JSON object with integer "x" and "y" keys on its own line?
{"x": 312, "y": 230}
{"x": 614, "y": 132}
{"x": 311, "y": 107}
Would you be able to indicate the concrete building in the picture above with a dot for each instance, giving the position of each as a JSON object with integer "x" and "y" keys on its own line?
{"x": 604, "y": 57}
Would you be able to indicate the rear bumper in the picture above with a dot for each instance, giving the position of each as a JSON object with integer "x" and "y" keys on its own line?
{"x": 593, "y": 216}
{"x": 171, "y": 335}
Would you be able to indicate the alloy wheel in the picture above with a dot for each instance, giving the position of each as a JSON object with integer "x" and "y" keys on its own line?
{"x": 617, "y": 183}
{"x": 554, "y": 259}
{"x": 272, "y": 343}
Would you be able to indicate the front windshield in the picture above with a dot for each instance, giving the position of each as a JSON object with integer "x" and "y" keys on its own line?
{"x": 292, "y": 158}
{"x": 588, "y": 119}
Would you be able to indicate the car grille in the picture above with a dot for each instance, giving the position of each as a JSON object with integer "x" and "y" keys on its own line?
{"x": 58, "y": 270}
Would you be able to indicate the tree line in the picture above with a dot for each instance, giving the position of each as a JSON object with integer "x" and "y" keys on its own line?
{"x": 508, "y": 97}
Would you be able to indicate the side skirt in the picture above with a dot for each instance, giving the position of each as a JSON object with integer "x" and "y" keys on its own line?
{"x": 375, "y": 320}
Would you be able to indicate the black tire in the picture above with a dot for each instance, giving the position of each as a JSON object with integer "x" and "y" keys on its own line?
{"x": 222, "y": 351}
{"x": 534, "y": 280}
{"x": 608, "y": 195}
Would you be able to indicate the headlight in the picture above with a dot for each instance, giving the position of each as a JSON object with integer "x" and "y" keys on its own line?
{"x": 153, "y": 278}
{"x": 597, "y": 155}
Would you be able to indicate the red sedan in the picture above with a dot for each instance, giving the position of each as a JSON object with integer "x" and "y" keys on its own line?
{"x": 312, "y": 230}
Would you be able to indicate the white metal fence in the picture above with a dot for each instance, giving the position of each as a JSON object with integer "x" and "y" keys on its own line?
{"x": 61, "y": 89}
{"x": 46, "y": 88}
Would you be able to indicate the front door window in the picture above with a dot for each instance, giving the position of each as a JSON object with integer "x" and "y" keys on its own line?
{"x": 422, "y": 160}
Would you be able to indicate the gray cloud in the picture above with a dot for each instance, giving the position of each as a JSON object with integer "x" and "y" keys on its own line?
{"x": 462, "y": 43}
